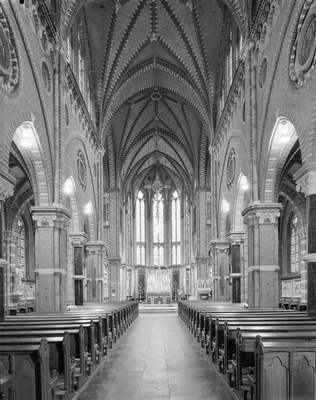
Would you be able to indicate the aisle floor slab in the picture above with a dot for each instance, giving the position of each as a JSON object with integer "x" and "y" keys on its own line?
{"x": 157, "y": 359}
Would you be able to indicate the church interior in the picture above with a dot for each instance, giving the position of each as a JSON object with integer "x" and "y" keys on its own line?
{"x": 155, "y": 152}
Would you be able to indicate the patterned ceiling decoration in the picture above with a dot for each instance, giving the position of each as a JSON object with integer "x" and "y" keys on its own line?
{"x": 155, "y": 65}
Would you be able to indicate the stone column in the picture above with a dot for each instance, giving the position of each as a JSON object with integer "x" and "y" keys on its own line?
{"x": 263, "y": 257}
{"x": 114, "y": 265}
{"x": 236, "y": 238}
{"x": 219, "y": 251}
{"x": 11, "y": 240}
{"x": 192, "y": 282}
{"x": 50, "y": 257}
{"x": 95, "y": 275}
{"x": 306, "y": 183}
{"x": 114, "y": 259}
{"x": 6, "y": 190}
{"x": 123, "y": 281}
{"x": 78, "y": 241}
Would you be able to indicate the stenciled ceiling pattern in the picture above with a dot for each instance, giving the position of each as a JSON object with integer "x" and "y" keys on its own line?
{"x": 155, "y": 67}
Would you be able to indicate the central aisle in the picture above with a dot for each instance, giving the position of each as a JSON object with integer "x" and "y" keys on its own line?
{"x": 156, "y": 359}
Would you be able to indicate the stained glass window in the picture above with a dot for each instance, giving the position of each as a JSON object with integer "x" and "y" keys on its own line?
{"x": 176, "y": 231}
{"x": 294, "y": 245}
{"x": 140, "y": 230}
{"x": 158, "y": 229}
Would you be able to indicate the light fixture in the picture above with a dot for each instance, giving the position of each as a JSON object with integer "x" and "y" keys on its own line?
{"x": 25, "y": 140}
{"x": 284, "y": 132}
{"x": 67, "y": 189}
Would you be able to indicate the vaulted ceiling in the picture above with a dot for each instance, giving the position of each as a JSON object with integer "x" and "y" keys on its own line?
{"x": 155, "y": 68}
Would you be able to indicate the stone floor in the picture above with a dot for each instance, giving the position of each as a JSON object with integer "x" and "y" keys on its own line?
{"x": 157, "y": 359}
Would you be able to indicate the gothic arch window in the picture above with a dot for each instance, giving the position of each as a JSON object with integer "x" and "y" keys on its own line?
{"x": 140, "y": 229}
{"x": 175, "y": 229}
{"x": 81, "y": 63}
{"x": 158, "y": 229}
{"x": 21, "y": 248}
{"x": 294, "y": 245}
{"x": 230, "y": 60}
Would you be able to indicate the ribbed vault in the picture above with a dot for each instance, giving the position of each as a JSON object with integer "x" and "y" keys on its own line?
{"x": 155, "y": 66}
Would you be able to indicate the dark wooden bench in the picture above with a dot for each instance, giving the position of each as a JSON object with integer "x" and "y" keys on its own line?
{"x": 284, "y": 370}
{"x": 244, "y": 350}
{"x": 25, "y": 371}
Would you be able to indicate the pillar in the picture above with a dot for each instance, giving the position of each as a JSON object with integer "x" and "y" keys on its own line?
{"x": 78, "y": 241}
{"x": 219, "y": 251}
{"x": 114, "y": 259}
{"x": 6, "y": 190}
{"x": 306, "y": 183}
{"x": 50, "y": 258}
{"x": 95, "y": 274}
{"x": 236, "y": 238}
{"x": 11, "y": 240}
{"x": 192, "y": 282}
{"x": 263, "y": 256}
{"x": 124, "y": 285}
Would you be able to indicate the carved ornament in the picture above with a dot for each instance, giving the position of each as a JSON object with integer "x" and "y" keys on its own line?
{"x": 306, "y": 183}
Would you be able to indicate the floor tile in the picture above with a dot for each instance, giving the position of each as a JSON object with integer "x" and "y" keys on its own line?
{"x": 156, "y": 359}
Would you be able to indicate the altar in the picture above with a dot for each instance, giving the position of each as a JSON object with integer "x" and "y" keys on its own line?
{"x": 158, "y": 286}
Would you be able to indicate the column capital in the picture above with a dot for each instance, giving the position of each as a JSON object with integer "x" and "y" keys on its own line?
{"x": 219, "y": 246}
{"x": 94, "y": 248}
{"x": 306, "y": 181}
{"x": 7, "y": 183}
{"x": 78, "y": 239}
{"x": 266, "y": 213}
{"x": 46, "y": 216}
{"x": 236, "y": 237}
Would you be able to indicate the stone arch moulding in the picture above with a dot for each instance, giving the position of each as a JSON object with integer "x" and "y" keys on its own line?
{"x": 278, "y": 150}
{"x": 38, "y": 164}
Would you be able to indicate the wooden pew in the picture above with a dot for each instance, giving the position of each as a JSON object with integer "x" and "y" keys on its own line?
{"x": 78, "y": 348}
{"x": 244, "y": 350}
{"x": 284, "y": 370}
{"x": 25, "y": 369}
{"x": 60, "y": 365}
{"x": 251, "y": 322}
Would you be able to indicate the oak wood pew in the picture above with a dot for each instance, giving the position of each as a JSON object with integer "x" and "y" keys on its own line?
{"x": 90, "y": 344}
{"x": 78, "y": 355}
{"x": 197, "y": 314}
{"x": 26, "y": 367}
{"x": 6, "y": 386}
{"x": 209, "y": 318}
{"x": 284, "y": 370}
{"x": 61, "y": 366}
{"x": 245, "y": 359}
{"x": 220, "y": 327}
{"x": 100, "y": 326}
{"x": 237, "y": 365}
{"x": 211, "y": 342}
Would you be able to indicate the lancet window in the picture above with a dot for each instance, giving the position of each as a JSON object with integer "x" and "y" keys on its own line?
{"x": 140, "y": 229}
{"x": 294, "y": 245}
{"x": 176, "y": 231}
{"x": 158, "y": 229}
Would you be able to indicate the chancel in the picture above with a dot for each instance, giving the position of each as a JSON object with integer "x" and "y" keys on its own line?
{"x": 157, "y": 189}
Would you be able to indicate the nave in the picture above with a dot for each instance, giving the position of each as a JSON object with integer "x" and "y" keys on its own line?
{"x": 156, "y": 360}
